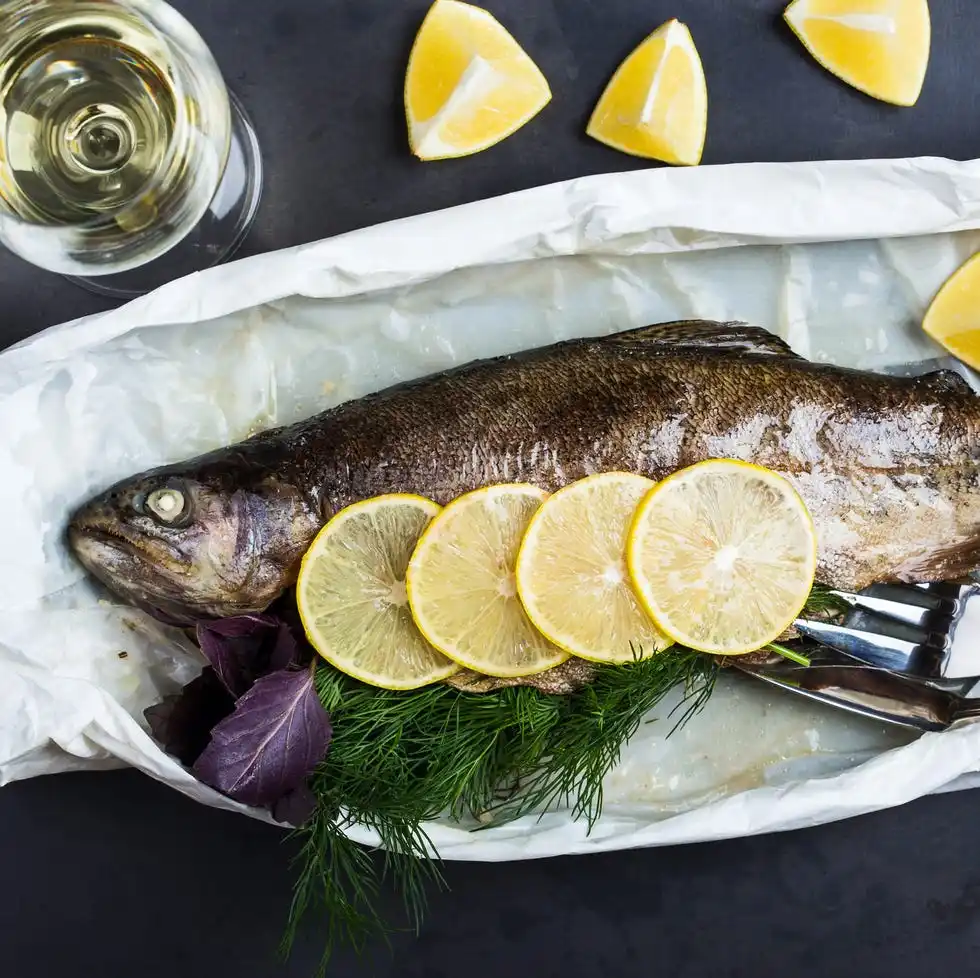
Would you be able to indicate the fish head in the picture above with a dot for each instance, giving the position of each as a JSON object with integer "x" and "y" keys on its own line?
{"x": 196, "y": 542}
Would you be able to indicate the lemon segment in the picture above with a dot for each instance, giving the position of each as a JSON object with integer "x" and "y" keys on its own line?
{"x": 352, "y": 597}
{"x": 461, "y": 584}
{"x": 880, "y": 47}
{"x": 469, "y": 84}
{"x": 656, "y": 104}
{"x": 953, "y": 316}
{"x": 572, "y": 576}
{"x": 723, "y": 554}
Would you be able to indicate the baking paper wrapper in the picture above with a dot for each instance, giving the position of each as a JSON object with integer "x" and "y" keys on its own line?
{"x": 840, "y": 259}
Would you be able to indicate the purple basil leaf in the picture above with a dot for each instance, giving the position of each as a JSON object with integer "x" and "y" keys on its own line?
{"x": 182, "y": 723}
{"x": 253, "y": 627}
{"x": 270, "y": 745}
{"x": 285, "y": 651}
{"x": 296, "y": 807}
{"x": 286, "y": 611}
{"x": 239, "y": 648}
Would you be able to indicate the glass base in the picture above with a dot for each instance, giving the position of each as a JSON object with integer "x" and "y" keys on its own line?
{"x": 220, "y": 231}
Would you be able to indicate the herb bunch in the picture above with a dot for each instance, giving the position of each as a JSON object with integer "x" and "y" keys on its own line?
{"x": 485, "y": 757}
{"x": 397, "y": 759}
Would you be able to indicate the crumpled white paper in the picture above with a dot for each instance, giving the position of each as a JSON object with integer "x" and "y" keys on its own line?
{"x": 839, "y": 258}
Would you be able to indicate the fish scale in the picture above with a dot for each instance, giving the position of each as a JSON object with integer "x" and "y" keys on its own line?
{"x": 886, "y": 465}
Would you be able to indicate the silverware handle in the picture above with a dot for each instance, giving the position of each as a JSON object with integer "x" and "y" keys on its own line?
{"x": 866, "y": 690}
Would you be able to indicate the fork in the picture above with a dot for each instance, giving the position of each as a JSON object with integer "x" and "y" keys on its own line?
{"x": 839, "y": 680}
{"x": 930, "y": 632}
{"x": 904, "y": 654}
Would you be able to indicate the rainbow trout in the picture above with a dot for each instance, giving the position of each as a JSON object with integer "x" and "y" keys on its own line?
{"x": 888, "y": 466}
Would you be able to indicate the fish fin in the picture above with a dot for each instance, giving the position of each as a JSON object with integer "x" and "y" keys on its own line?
{"x": 946, "y": 382}
{"x": 702, "y": 334}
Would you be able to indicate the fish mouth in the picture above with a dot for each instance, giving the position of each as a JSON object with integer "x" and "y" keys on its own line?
{"x": 146, "y": 573}
{"x": 106, "y": 552}
{"x": 127, "y": 569}
{"x": 82, "y": 537}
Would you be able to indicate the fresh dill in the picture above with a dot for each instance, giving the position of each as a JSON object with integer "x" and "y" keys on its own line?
{"x": 399, "y": 759}
{"x": 824, "y": 603}
{"x": 603, "y": 718}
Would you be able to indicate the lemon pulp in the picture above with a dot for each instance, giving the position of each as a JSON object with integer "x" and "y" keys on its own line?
{"x": 462, "y": 589}
{"x": 723, "y": 555}
{"x": 352, "y": 597}
{"x": 572, "y": 576}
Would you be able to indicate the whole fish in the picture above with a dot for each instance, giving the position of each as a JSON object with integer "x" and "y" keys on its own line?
{"x": 887, "y": 466}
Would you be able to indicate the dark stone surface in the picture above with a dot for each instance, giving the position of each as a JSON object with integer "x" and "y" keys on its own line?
{"x": 116, "y": 876}
{"x": 323, "y": 80}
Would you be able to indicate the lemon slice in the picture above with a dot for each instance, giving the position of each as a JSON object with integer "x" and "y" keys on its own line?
{"x": 352, "y": 597}
{"x": 722, "y": 555}
{"x": 461, "y": 584}
{"x": 469, "y": 84}
{"x": 880, "y": 47}
{"x": 656, "y": 104}
{"x": 571, "y": 572}
{"x": 953, "y": 317}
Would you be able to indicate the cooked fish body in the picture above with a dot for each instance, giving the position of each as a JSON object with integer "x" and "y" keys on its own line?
{"x": 888, "y": 466}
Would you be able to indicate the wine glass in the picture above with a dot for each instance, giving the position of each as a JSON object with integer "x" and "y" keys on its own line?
{"x": 124, "y": 160}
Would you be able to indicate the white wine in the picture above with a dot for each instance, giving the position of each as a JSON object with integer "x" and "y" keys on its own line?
{"x": 87, "y": 121}
{"x": 114, "y": 131}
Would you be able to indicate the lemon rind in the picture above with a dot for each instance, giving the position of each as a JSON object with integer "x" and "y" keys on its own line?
{"x": 371, "y": 679}
{"x": 563, "y": 642}
{"x": 665, "y": 28}
{"x": 411, "y": 586}
{"x": 845, "y": 76}
{"x": 634, "y": 547}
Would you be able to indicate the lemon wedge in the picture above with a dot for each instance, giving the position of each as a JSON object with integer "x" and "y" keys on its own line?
{"x": 723, "y": 555}
{"x": 469, "y": 84}
{"x": 572, "y": 576}
{"x": 880, "y": 47}
{"x": 461, "y": 584}
{"x": 352, "y": 597}
{"x": 656, "y": 104}
{"x": 953, "y": 317}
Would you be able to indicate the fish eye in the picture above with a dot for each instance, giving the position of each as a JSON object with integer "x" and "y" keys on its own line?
{"x": 167, "y": 504}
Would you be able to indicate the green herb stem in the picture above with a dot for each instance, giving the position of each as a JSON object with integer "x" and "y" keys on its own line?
{"x": 788, "y": 653}
{"x": 399, "y": 759}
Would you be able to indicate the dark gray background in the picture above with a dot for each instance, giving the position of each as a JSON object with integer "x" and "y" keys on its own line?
{"x": 115, "y": 876}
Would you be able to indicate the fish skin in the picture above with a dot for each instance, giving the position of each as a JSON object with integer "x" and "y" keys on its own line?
{"x": 888, "y": 466}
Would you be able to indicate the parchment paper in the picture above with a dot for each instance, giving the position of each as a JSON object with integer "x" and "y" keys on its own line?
{"x": 839, "y": 258}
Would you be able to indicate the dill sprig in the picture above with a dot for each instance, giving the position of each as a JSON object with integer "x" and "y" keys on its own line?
{"x": 603, "y": 718}
{"x": 399, "y": 759}
{"x": 823, "y": 603}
